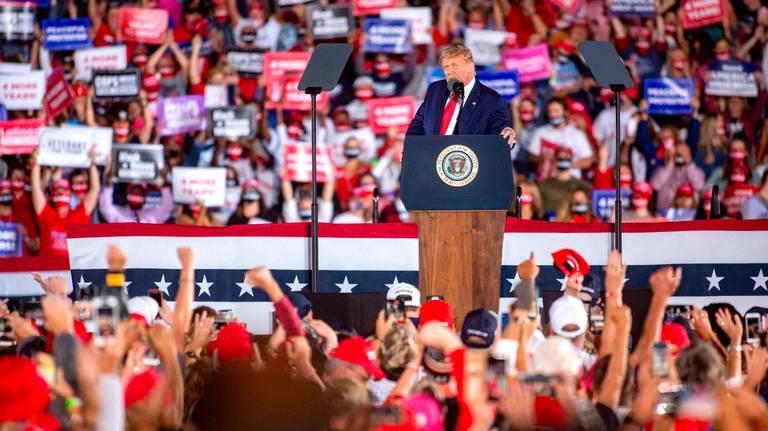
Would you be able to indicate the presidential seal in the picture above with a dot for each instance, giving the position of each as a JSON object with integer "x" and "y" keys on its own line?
{"x": 457, "y": 165}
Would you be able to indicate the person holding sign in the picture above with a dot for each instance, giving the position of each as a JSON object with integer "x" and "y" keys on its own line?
{"x": 53, "y": 222}
{"x": 483, "y": 110}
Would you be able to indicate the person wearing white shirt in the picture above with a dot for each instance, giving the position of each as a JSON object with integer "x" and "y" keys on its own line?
{"x": 562, "y": 134}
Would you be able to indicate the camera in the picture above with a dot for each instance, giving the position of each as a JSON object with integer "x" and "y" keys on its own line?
{"x": 541, "y": 383}
{"x": 105, "y": 318}
{"x": 670, "y": 397}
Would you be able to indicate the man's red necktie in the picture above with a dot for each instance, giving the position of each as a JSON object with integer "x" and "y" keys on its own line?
{"x": 448, "y": 113}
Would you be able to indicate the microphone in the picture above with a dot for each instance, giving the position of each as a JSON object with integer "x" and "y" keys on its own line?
{"x": 457, "y": 87}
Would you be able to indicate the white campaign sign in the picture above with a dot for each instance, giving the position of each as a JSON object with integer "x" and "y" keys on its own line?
{"x": 208, "y": 185}
{"x": 105, "y": 58}
{"x": 421, "y": 22}
{"x": 22, "y": 91}
{"x": 63, "y": 147}
{"x": 485, "y": 44}
{"x": 215, "y": 96}
{"x": 101, "y": 137}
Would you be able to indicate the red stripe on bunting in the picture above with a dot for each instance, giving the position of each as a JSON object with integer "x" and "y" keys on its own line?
{"x": 327, "y": 230}
{"x": 538, "y": 226}
{"x": 34, "y": 264}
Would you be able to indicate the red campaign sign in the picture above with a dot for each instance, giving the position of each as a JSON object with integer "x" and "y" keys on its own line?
{"x": 282, "y": 71}
{"x": 286, "y": 89}
{"x": 143, "y": 25}
{"x": 698, "y": 13}
{"x": 19, "y": 136}
{"x": 570, "y": 6}
{"x": 371, "y": 7}
{"x": 389, "y": 112}
{"x": 58, "y": 94}
{"x": 298, "y": 162}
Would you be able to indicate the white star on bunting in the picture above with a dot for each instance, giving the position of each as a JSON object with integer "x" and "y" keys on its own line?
{"x": 393, "y": 284}
{"x": 163, "y": 285}
{"x": 245, "y": 288}
{"x": 760, "y": 281}
{"x": 82, "y": 284}
{"x": 714, "y": 281}
{"x": 346, "y": 286}
{"x": 295, "y": 286}
{"x": 205, "y": 286}
{"x": 125, "y": 287}
{"x": 563, "y": 282}
{"x": 514, "y": 282}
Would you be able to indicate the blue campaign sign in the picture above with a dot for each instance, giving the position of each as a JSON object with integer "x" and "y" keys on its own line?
{"x": 66, "y": 34}
{"x": 434, "y": 73}
{"x": 632, "y": 8}
{"x": 392, "y": 36}
{"x": 10, "y": 240}
{"x": 505, "y": 82}
{"x": 668, "y": 96}
{"x": 604, "y": 200}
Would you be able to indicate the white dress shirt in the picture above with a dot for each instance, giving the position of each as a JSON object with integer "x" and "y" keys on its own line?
{"x": 467, "y": 90}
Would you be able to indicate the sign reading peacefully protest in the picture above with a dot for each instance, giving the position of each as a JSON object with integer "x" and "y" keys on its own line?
{"x": 58, "y": 94}
{"x": 246, "y": 62}
{"x": 420, "y": 18}
{"x": 731, "y": 78}
{"x": 19, "y": 136}
{"x": 66, "y": 34}
{"x": 99, "y": 137}
{"x": 371, "y": 7}
{"x": 64, "y": 147}
{"x": 334, "y": 21}
{"x": 232, "y": 122}
{"x": 11, "y": 240}
{"x": 298, "y": 162}
{"x": 116, "y": 85}
{"x": 181, "y": 114}
{"x": 143, "y": 25}
{"x": 668, "y": 96}
{"x": 17, "y": 21}
{"x": 532, "y": 63}
{"x": 136, "y": 162}
{"x": 101, "y": 59}
{"x": 505, "y": 82}
{"x": 191, "y": 185}
{"x": 629, "y": 8}
{"x": 397, "y": 112}
{"x": 23, "y": 91}
{"x": 699, "y": 13}
{"x": 392, "y": 36}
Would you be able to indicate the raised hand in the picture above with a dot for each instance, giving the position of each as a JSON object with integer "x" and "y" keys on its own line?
{"x": 58, "y": 314}
{"x": 115, "y": 258}
{"x": 665, "y": 281}
{"x": 527, "y": 270}
{"x": 730, "y": 324}
{"x": 186, "y": 256}
{"x": 615, "y": 273}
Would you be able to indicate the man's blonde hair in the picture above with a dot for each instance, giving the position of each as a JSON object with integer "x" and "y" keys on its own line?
{"x": 455, "y": 50}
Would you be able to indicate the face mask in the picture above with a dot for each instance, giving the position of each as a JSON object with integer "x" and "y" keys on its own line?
{"x": 231, "y": 183}
{"x": 557, "y": 121}
{"x": 639, "y": 203}
{"x": 478, "y": 25}
{"x": 526, "y": 116}
{"x": 679, "y": 161}
{"x": 352, "y": 153}
{"x": 737, "y": 155}
{"x": 17, "y": 185}
{"x": 678, "y": 65}
{"x": 6, "y": 198}
{"x": 305, "y": 213}
{"x": 564, "y": 164}
{"x": 138, "y": 123}
{"x": 625, "y": 181}
{"x": 140, "y": 60}
{"x": 121, "y": 132}
{"x": 738, "y": 178}
{"x": 668, "y": 142}
{"x": 248, "y": 38}
{"x": 382, "y": 68}
{"x": 579, "y": 209}
{"x": 234, "y": 152}
{"x": 221, "y": 14}
{"x": 80, "y": 189}
{"x": 723, "y": 56}
{"x": 643, "y": 47}
{"x": 294, "y": 131}
{"x": 167, "y": 72}
{"x": 61, "y": 200}
{"x": 343, "y": 126}
{"x": 136, "y": 200}
{"x": 671, "y": 29}
{"x": 364, "y": 93}
{"x": 720, "y": 131}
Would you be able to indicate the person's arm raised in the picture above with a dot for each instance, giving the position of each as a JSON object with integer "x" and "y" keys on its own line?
{"x": 287, "y": 315}
{"x": 615, "y": 273}
{"x": 664, "y": 282}
{"x": 182, "y": 312}
{"x": 610, "y": 392}
{"x": 92, "y": 197}
{"x": 38, "y": 196}
{"x": 731, "y": 325}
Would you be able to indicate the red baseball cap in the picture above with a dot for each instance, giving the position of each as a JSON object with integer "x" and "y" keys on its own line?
{"x": 676, "y": 335}
{"x": 685, "y": 191}
{"x": 141, "y": 385}
{"x": 233, "y": 343}
{"x": 436, "y": 311}
{"x": 566, "y": 45}
{"x": 570, "y": 262}
{"x": 642, "y": 188}
{"x": 356, "y": 350}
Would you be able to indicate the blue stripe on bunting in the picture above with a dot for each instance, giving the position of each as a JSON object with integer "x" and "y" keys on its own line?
{"x": 228, "y": 286}
{"x": 698, "y": 279}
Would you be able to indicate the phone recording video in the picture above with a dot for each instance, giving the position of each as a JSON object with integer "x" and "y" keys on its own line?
{"x": 754, "y": 327}
{"x": 105, "y": 319}
{"x": 222, "y": 318}
{"x": 596, "y": 319}
{"x": 660, "y": 360}
{"x": 541, "y": 384}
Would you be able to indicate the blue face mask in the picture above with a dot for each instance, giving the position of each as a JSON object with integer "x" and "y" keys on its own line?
{"x": 557, "y": 121}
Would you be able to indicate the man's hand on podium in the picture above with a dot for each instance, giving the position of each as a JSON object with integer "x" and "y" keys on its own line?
{"x": 509, "y": 134}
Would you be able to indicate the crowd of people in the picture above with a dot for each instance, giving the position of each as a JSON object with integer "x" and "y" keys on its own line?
{"x": 110, "y": 363}
{"x": 669, "y": 164}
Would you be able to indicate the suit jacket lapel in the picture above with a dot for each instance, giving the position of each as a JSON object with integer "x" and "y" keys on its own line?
{"x": 439, "y": 107}
{"x": 469, "y": 107}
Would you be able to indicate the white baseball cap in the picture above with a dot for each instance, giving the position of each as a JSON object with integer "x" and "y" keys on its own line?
{"x": 568, "y": 310}
{"x": 556, "y": 355}
{"x": 145, "y": 307}
{"x": 405, "y": 289}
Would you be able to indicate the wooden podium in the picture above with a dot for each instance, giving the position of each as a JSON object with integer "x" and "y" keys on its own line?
{"x": 457, "y": 189}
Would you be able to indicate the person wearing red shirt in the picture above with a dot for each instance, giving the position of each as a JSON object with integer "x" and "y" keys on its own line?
{"x": 53, "y": 222}
{"x": 529, "y": 20}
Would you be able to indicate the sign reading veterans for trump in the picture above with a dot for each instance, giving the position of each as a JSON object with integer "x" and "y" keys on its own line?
{"x": 246, "y": 62}
{"x": 23, "y": 91}
{"x": 116, "y": 85}
{"x": 17, "y": 21}
{"x": 371, "y": 7}
{"x": 391, "y": 36}
{"x": 334, "y": 21}
{"x": 66, "y": 147}
{"x": 668, "y": 96}
{"x": 20, "y": 136}
{"x": 136, "y": 162}
{"x": 58, "y": 94}
{"x": 699, "y": 13}
{"x": 10, "y": 240}
{"x": 206, "y": 185}
{"x": 731, "y": 78}
{"x": 505, "y": 82}
{"x": 101, "y": 59}
{"x": 66, "y": 34}
{"x": 485, "y": 44}
{"x": 143, "y": 25}
{"x": 99, "y": 137}
{"x": 421, "y": 22}
{"x": 389, "y": 112}
{"x": 232, "y": 122}
{"x": 629, "y": 8}
{"x": 532, "y": 63}
{"x": 181, "y": 114}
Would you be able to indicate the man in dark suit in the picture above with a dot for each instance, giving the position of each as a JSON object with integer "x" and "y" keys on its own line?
{"x": 483, "y": 110}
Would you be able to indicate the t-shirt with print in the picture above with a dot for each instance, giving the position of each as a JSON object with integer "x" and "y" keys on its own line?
{"x": 53, "y": 229}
